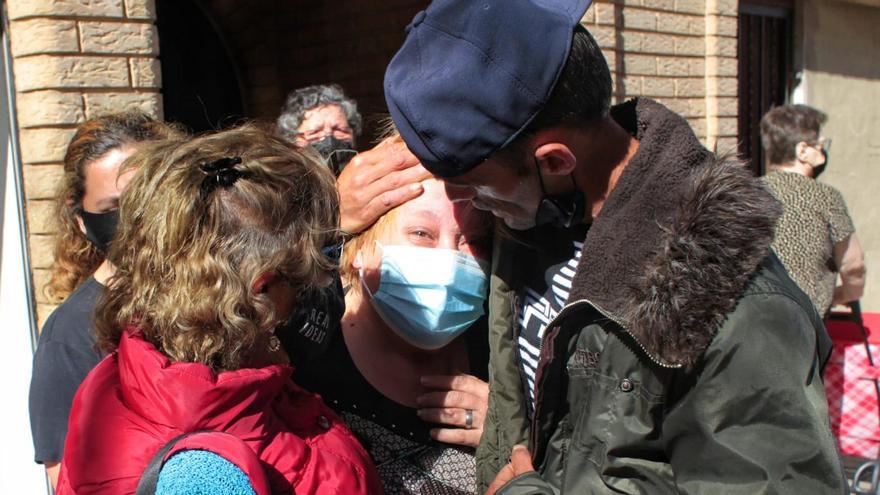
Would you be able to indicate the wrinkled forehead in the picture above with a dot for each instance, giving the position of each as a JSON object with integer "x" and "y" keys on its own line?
{"x": 326, "y": 113}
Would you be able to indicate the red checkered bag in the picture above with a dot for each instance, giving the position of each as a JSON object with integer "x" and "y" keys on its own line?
{"x": 852, "y": 387}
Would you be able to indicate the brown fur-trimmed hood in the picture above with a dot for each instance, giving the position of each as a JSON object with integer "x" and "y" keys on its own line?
{"x": 678, "y": 239}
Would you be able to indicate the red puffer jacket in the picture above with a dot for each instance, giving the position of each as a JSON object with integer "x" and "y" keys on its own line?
{"x": 136, "y": 400}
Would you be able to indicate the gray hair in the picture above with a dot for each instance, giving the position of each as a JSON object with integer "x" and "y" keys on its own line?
{"x": 301, "y": 100}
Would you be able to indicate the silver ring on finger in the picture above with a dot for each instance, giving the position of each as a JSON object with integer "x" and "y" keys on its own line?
{"x": 468, "y": 419}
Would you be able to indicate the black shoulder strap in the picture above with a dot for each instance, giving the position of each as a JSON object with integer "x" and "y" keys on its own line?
{"x": 150, "y": 479}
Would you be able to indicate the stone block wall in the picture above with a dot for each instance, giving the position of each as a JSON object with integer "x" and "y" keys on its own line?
{"x": 73, "y": 60}
{"x": 251, "y": 31}
{"x": 679, "y": 52}
{"x": 283, "y": 45}
{"x": 349, "y": 42}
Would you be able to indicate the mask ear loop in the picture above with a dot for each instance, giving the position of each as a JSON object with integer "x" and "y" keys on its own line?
{"x": 541, "y": 178}
{"x": 364, "y": 282}
{"x": 550, "y": 210}
{"x": 361, "y": 270}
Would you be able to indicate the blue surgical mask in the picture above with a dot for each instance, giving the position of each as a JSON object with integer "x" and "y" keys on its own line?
{"x": 428, "y": 296}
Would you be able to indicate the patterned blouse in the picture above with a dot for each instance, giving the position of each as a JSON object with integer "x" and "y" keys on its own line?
{"x": 815, "y": 218}
{"x": 408, "y": 461}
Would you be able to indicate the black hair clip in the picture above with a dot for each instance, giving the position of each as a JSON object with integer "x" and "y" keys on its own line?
{"x": 221, "y": 172}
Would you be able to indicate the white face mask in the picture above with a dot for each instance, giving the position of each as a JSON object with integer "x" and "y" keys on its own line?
{"x": 428, "y": 296}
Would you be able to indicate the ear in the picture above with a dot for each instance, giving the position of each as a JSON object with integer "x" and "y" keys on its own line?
{"x": 358, "y": 262}
{"x": 555, "y": 158}
{"x": 262, "y": 282}
{"x": 800, "y": 151}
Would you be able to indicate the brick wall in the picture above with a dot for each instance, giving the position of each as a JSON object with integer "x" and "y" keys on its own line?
{"x": 251, "y": 30}
{"x": 349, "y": 42}
{"x": 679, "y": 52}
{"x": 282, "y": 45}
{"x": 73, "y": 60}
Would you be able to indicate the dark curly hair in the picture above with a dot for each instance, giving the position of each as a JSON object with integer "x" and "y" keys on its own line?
{"x": 303, "y": 99}
{"x": 75, "y": 257}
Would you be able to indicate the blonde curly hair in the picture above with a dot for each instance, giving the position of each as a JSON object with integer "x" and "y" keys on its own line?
{"x": 75, "y": 258}
{"x": 187, "y": 257}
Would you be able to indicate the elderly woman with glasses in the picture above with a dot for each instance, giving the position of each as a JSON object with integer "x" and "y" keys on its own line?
{"x": 815, "y": 238}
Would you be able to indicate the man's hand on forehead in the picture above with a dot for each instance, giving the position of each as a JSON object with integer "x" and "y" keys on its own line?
{"x": 376, "y": 181}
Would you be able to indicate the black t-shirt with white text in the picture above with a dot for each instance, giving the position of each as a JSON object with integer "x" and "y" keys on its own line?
{"x": 545, "y": 292}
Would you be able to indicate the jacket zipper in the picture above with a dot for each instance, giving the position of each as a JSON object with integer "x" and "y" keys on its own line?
{"x": 619, "y": 323}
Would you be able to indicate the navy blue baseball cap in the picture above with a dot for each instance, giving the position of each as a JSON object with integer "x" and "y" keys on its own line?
{"x": 472, "y": 74}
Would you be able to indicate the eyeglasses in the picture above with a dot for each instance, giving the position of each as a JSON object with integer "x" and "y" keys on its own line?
{"x": 824, "y": 144}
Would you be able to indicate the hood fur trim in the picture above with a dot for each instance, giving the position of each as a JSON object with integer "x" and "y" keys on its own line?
{"x": 678, "y": 239}
{"x": 707, "y": 256}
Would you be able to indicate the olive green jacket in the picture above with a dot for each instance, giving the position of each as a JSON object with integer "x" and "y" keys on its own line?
{"x": 685, "y": 360}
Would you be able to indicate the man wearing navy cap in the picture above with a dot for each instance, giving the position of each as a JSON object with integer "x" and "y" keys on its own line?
{"x": 644, "y": 339}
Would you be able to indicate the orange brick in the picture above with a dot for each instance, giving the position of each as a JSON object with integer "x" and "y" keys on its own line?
{"x": 630, "y": 86}
{"x": 604, "y": 35}
{"x": 721, "y": 46}
{"x": 721, "y": 26}
{"x": 690, "y": 87}
{"x": 40, "y": 216}
{"x": 724, "y": 86}
{"x": 51, "y": 71}
{"x": 697, "y": 67}
{"x": 658, "y": 87}
{"x": 673, "y": 66}
{"x": 721, "y": 66}
{"x": 691, "y": 6}
{"x": 645, "y": 20}
{"x": 639, "y": 64}
{"x": 690, "y": 46}
{"x": 727, "y": 126}
{"x": 680, "y": 23}
{"x": 659, "y": 4}
{"x": 605, "y": 14}
{"x": 658, "y": 43}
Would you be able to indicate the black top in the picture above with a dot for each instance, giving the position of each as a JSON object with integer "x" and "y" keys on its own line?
{"x": 344, "y": 388}
{"x": 398, "y": 441}
{"x": 314, "y": 324}
{"x": 65, "y": 354}
{"x": 547, "y": 283}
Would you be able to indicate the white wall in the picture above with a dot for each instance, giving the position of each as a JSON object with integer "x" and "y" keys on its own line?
{"x": 18, "y": 471}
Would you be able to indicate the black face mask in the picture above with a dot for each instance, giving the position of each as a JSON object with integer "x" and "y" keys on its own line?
{"x": 336, "y": 152}
{"x": 561, "y": 211}
{"x": 100, "y": 227}
{"x": 313, "y": 324}
{"x": 818, "y": 169}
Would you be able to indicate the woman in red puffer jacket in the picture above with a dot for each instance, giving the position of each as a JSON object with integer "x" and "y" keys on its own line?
{"x": 218, "y": 237}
